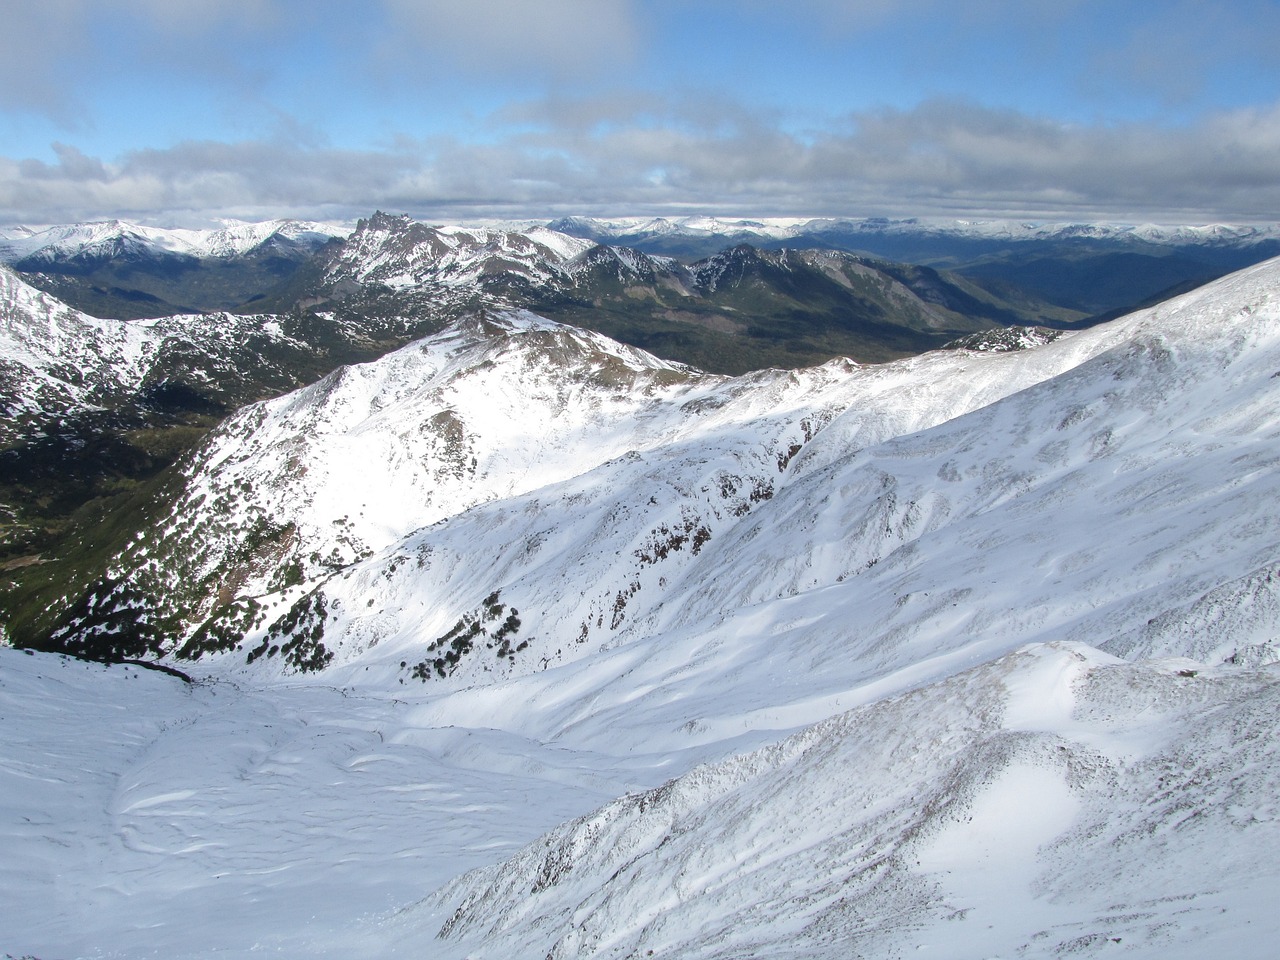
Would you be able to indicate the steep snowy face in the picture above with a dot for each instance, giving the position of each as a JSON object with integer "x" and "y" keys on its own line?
{"x": 55, "y": 361}
{"x": 897, "y": 512}
{"x": 498, "y": 405}
{"x": 1052, "y": 802}
{"x": 655, "y": 458}
{"x": 1123, "y": 501}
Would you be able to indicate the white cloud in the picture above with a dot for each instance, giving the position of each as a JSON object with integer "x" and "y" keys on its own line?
{"x": 53, "y": 51}
{"x": 634, "y": 155}
{"x": 557, "y": 38}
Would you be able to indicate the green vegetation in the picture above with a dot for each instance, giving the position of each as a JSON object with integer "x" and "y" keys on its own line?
{"x": 492, "y": 625}
{"x": 224, "y": 630}
{"x": 297, "y": 636}
{"x": 46, "y": 593}
{"x": 745, "y": 309}
{"x": 77, "y": 494}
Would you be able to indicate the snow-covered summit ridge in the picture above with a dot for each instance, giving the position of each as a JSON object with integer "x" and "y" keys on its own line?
{"x": 1053, "y": 802}
{"x": 114, "y": 238}
{"x": 401, "y": 253}
{"x": 498, "y": 404}
{"x": 784, "y": 228}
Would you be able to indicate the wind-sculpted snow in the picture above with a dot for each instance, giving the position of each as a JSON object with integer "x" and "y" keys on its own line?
{"x": 143, "y": 816}
{"x": 1054, "y": 802}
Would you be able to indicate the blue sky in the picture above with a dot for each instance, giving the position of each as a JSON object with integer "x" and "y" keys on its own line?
{"x": 177, "y": 111}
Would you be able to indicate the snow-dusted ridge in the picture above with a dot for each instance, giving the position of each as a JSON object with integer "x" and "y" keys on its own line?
{"x": 561, "y": 236}
{"x": 454, "y": 469}
{"x": 57, "y": 363}
{"x": 785, "y": 228}
{"x": 119, "y": 237}
{"x": 1053, "y": 802}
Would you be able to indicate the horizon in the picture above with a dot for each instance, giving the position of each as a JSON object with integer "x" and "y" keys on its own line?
{"x": 212, "y": 224}
{"x": 1086, "y": 111}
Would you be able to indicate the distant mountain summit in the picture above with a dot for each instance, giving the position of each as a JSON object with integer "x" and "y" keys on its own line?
{"x": 122, "y": 270}
{"x": 741, "y": 309}
{"x": 1095, "y": 269}
{"x": 640, "y": 232}
{"x": 85, "y": 242}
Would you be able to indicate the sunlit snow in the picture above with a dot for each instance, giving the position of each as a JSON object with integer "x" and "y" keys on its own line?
{"x": 977, "y": 657}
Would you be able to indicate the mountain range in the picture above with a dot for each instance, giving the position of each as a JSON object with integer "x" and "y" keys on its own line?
{"x": 517, "y": 640}
{"x": 1065, "y": 271}
{"x": 100, "y": 404}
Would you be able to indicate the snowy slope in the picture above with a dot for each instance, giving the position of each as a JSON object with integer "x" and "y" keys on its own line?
{"x": 1125, "y": 503}
{"x": 509, "y": 431}
{"x": 1053, "y": 802}
{"x": 140, "y": 816}
{"x": 690, "y": 508}
{"x": 866, "y": 621}
{"x": 56, "y": 362}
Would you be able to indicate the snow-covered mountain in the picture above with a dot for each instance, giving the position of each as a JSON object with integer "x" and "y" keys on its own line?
{"x": 649, "y": 459}
{"x": 450, "y": 465}
{"x": 118, "y": 238}
{"x": 1101, "y": 270}
{"x": 1054, "y": 802}
{"x": 127, "y": 271}
{"x": 640, "y": 231}
{"x": 740, "y": 309}
{"x": 398, "y": 252}
{"x": 56, "y": 363}
{"x": 974, "y": 653}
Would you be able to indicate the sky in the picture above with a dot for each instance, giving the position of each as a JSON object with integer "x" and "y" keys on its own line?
{"x": 180, "y": 112}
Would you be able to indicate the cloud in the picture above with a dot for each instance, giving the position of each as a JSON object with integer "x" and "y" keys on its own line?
{"x": 72, "y": 166}
{"x": 634, "y": 154}
{"x": 1174, "y": 56}
{"x": 36, "y": 40}
{"x": 558, "y": 38}
{"x": 53, "y": 51}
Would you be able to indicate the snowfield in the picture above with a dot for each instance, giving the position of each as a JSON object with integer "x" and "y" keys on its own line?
{"x": 972, "y": 655}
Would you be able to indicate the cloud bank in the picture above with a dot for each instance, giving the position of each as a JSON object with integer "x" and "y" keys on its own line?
{"x": 944, "y": 157}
